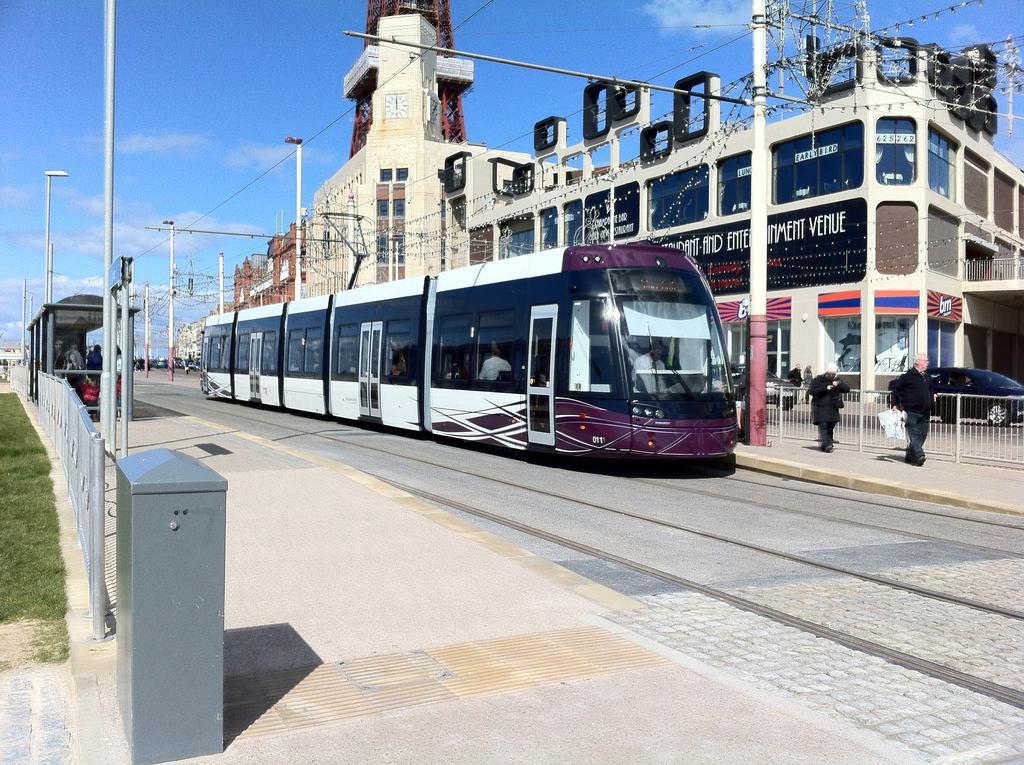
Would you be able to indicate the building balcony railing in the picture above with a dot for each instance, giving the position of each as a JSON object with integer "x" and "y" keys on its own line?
{"x": 995, "y": 269}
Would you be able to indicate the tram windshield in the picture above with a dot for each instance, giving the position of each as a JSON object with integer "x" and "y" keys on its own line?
{"x": 672, "y": 341}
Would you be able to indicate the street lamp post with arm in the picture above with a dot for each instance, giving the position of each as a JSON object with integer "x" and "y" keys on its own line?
{"x": 297, "y": 142}
{"x": 48, "y": 253}
{"x": 170, "y": 309}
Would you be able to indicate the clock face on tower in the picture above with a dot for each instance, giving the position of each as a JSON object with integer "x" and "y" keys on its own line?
{"x": 396, "y": 107}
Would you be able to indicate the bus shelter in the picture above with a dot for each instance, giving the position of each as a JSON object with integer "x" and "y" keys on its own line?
{"x": 65, "y": 341}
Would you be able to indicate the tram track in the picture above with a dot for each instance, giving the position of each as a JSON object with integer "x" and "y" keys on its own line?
{"x": 1005, "y": 694}
{"x": 713, "y": 536}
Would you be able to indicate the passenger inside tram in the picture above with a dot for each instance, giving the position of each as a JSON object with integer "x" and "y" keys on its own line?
{"x": 494, "y": 366}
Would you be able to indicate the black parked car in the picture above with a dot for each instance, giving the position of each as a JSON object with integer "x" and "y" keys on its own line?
{"x": 991, "y": 389}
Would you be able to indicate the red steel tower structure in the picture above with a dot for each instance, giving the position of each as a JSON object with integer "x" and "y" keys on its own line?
{"x": 449, "y": 89}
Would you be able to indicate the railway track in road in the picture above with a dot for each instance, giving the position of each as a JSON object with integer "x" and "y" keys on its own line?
{"x": 702, "y": 533}
{"x": 1003, "y": 693}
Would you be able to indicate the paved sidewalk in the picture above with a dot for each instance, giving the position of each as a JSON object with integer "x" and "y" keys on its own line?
{"x": 969, "y": 486}
{"x": 363, "y": 624}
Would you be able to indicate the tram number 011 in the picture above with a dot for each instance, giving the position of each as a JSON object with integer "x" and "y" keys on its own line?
{"x": 597, "y": 440}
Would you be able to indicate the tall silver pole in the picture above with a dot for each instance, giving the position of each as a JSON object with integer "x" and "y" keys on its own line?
{"x": 108, "y": 407}
{"x": 24, "y": 304}
{"x": 758, "y": 359}
{"x": 170, "y": 313}
{"x": 145, "y": 313}
{"x": 298, "y": 216}
{"x": 47, "y": 252}
{"x": 220, "y": 282}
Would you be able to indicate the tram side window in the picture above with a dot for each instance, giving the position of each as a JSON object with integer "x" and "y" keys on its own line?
{"x": 398, "y": 352}
{"x": 242, "y": 354}
{"x": 296, "y": 341}
{"x": 591, "y": 365}
{"x": 314, "y": 351}
{"x": 213, "y": 361}
{"x": 495, "y": 342}
{"x": 346, "y": 352}
{"x": 206, "y": 353}
{"x": 269, "y": 365}
{"x": 454, "y": 362}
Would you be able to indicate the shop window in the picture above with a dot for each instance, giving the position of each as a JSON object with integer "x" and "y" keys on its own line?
{"x": 895, "y": 147}
{"x": 679, "y": 198}
{"x": 346, "y": 352}
{"x": 734, "y": 184}
{"x": 894, "y": 344}
{"x": 842, "y": 343}
{"x": 819, "y": 163}
{"x": 941, "y": 343}
{"x": 549, "y": 228}
{"x": 572, "y": 217}
{"x": 941, "y": 165}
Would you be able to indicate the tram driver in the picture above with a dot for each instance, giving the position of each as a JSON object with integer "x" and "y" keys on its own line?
{"x": 647, "y": 366}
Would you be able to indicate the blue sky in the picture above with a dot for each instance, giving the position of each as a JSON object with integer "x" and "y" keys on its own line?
{"x": 207, "y": 91}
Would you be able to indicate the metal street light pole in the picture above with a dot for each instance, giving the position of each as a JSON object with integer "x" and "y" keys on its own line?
{"x": 24, "y": 303}
{"x": 108, "y": 400}
{"x": 145, "y": 306}
{"x": 220, "y": 282}
{"x": 298, "y": 211}
{"x": 170, "y": 309}
{"x": 48, "y": 252}
{"x": 757, "y": 363}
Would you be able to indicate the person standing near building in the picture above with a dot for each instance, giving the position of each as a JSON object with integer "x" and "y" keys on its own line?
{"x": 808, "y": 377}
{"x": 795, "y": 376}
{"x": 913, "y": 394}
{"x": 826, "y": 392}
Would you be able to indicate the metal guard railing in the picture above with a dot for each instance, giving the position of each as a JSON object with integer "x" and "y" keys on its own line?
{"x": 67, "y": 423}
{"x": 964, "y": 428}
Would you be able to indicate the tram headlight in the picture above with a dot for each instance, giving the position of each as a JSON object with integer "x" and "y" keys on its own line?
{"x": 636, "y": 410}
{"x": 659, "y": 414}
{"x": 648, "y": 413}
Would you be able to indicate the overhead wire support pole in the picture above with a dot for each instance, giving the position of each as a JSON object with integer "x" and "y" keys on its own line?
{"x": 108, "y": 404}
{"x": 220, "y": 282}
{"x": 757, "y": 364}
{"x": 552, "y": 69}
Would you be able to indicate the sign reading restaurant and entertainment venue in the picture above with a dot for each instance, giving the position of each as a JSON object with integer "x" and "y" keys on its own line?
{"x": 812, "y": 247}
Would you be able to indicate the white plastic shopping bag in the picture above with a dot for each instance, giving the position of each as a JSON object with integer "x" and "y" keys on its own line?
{"x": 892, "y": 422}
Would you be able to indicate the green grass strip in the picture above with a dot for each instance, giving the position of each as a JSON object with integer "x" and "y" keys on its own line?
{"x": 31, "y": 567}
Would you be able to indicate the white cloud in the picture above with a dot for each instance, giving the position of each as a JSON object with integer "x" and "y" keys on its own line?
{"x": 14, "y": 197}
{"x": 178, "y": 144}
{"x": 678, "y": 15}
{"x": 263, "y": 156}
{"x": 963, "y": 34}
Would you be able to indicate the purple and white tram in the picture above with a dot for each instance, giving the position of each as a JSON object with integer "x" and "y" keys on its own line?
{"x": 595, "y": 350}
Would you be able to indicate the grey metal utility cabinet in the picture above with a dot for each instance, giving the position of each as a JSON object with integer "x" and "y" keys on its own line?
{"x": 170, "y": 605}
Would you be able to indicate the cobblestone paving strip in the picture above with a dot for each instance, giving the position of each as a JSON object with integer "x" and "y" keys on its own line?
{"x": 941, "y": 721}
{"x": 991, "y": 581}
{"x": 988, "y": 646}
{"x": 33, "y": 727}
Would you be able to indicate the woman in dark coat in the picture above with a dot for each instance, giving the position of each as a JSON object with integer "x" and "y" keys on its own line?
{"x": 826, "y": 393}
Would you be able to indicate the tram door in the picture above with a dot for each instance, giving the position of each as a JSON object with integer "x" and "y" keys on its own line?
{"x": 369, "y": 368}
{"x": 540, "y": 376}
{"x": 255, "y": 362}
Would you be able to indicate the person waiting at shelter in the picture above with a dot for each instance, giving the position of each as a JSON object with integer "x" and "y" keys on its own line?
{"x": 826, "y": 394}
{"x": 94, "y": 359}
{"x": 494, "y": 366}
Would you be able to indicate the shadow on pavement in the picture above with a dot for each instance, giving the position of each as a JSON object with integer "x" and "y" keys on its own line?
{"x": 261, "y": 666}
